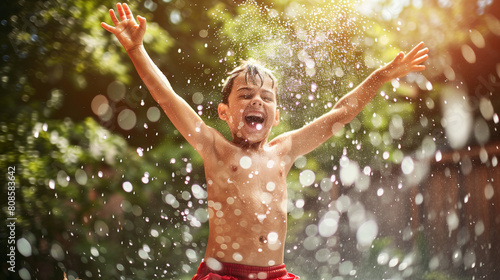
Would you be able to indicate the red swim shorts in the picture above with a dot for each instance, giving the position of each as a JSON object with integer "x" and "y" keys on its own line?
{"x": 230, "y": 271}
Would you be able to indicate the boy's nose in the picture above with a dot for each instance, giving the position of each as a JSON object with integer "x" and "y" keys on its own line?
{"x": 256, "y": 102}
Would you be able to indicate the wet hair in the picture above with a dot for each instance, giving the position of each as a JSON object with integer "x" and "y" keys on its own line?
{"x": 252, "y": 70}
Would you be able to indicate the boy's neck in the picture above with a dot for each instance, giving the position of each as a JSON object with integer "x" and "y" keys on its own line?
{"x": 246, "y": 145}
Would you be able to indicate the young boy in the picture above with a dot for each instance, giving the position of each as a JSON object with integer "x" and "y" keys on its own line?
{"x": 246, "y": 178}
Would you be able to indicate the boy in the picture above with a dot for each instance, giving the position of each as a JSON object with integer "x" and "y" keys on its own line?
{"x": 246, "y": 178}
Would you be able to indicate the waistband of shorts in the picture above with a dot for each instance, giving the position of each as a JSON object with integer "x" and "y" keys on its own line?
{"x": 250, "y": 272}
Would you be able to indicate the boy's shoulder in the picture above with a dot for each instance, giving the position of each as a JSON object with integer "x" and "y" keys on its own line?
{"x": 281, "y": 142}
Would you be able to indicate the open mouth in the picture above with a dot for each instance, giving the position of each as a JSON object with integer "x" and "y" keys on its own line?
{"x": 255, "y": 121}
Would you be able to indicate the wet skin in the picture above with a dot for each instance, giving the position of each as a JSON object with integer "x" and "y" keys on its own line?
{"x": 246, "y": 181}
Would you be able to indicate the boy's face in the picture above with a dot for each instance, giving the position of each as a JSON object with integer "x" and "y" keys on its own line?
{"x": 251, "y": 111}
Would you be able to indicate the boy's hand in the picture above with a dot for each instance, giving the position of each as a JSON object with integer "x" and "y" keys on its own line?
{"x": 404, "y": 64}
{"x": 127, "y": 31}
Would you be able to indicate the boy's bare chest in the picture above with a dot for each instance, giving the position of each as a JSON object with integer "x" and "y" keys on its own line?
{"x": 247, "y": 200}
{"x": 252, "y": 182}
{"x": 249, "y": 170}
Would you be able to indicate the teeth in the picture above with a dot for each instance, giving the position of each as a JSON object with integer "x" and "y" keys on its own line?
{"x": 255, "y": 115}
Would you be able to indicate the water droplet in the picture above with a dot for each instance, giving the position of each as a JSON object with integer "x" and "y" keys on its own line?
{"x": 272, "y": 237}
{"x": 100, "y": 105}
{"x": 428, "y": 86}
{"x": 457, "y": 118}
{"x": 489, "y": 191}
{"x": 479, "y": 228}
{"x": 213, "y": 264}
{"x": 439, "y": 156}
{"x": 486, "y": 108}
{"x": 300, "y": 162}
{"x": 407, "y": 165}
{"x": 366, "y": 233}
{"x": 198, "y": 192}
{"x": 307, "y": 177}
{"x": 237, "y": 257}
{"x": 24, "y": 247}
{"x": 270, "y": 186}
{"x": 101, "y": 228}
{"x": 57, "y": 252}
{"x": 452, "y": 221}
{"x": 62, "y": 178}
{"x": 127, "y": 186}
{"x": 143, "y": 254}
{"x": 191, "y": 254}
{"x": 477, "y": 38}
{"x": 393, "y": 262}
{"x": 81, "y": 177}
{"x": 380, "y": 192}
{"x": 481, "y": 131}
{"x": 127, "y": 119}
{"x": 153, "y": 114}
{"x": 468, "y": 54}
{"x": 140, "y": 151}
{"x": 419, "y": 198}
{"x": 349, "y": 171}
{"x": 386, "y": 155}
{"x": 245, "y": 162}
{"x": 469, "y": 259}
{"x": 383, "y": 258}
{"x": 345, "y": 268}
{"x": 328, "y": 224}
{"x": 326, "y": 184}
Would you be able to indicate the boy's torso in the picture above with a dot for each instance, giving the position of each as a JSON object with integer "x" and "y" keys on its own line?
{"x": 247, "y": 201}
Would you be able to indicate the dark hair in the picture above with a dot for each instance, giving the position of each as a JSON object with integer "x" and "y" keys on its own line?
{"x": 252, "y": 70}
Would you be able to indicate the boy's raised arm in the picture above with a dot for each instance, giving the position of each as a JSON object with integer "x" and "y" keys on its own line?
{"x": 180, "y": 113}
{"x": 309, "y": 137}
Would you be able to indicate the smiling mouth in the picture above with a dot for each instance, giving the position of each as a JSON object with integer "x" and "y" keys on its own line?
{"x": 254, "y": 120}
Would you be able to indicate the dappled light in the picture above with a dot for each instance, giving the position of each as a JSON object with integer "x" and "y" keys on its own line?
{"x": 100, "y": 184}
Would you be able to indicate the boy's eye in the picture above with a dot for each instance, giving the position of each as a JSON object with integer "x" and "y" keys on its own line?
{"x": 268, "y": 98}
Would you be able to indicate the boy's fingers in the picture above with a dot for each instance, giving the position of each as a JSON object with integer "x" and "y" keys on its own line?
{"x": 416, "y": 49}
{"x": 142, "y": 22}
{"x": 417, "y": 68}
{"x": 422, "y": 52}
{"x": 128, "y": 12}
{"x": 420, "y": 59}
{"x": 107, "y": 27}
{"x": 121, "y": 12}
{"x": 113, "y": 17}
{"x": 399, "y": 57}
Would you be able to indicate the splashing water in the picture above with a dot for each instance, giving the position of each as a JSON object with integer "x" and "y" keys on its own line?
{"x": 310, "y": 47}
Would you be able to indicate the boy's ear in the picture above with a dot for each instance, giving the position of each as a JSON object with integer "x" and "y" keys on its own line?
{"x": 222, "y": 110}
{"x": 277, "y": 118}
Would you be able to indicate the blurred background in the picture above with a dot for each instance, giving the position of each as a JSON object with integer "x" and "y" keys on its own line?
{"x": 107, "y": 188}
